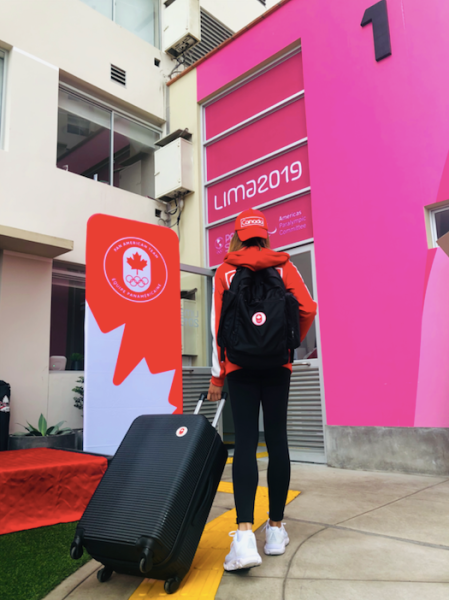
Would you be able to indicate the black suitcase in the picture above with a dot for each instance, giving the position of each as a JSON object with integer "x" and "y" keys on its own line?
{"x": 148, "y": 512}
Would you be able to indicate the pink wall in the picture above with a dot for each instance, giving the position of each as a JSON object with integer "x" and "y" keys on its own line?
{"x": 378, "y": 140}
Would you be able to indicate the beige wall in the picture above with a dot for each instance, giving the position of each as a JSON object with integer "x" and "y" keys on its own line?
{"x": 235, "y": 14}
{"x": 83, "y": 43}
{"x": 34, "y": 194}
{"x": 25, "y": 290}
{"x": 185, "y": 112}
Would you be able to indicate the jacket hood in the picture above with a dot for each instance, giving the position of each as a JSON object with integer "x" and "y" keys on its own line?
{"x": 256, "y": 258}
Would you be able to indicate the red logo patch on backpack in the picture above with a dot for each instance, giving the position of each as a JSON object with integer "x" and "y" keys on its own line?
{"x": 259, "y": 318}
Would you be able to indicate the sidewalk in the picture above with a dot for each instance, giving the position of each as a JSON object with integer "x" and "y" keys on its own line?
{"x": 354, "y": 536}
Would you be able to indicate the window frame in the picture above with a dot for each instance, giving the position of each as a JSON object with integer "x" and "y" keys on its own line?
{"x": 432, "y": 221}
{"x": 4, "y": 55}
{"x": 75, "y": 275}
{"x": 157, "y": 29}
{"x": 65, "y": 87}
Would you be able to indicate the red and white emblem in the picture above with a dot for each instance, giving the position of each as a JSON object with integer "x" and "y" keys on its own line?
{"x": 259, "y": 318}
{"x": 135, "y": 269}
{"x": 181, "y": 431}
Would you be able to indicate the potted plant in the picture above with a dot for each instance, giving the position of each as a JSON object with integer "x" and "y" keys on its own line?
{"x": 77, "y": 362}
{"x": 42, "y": 436}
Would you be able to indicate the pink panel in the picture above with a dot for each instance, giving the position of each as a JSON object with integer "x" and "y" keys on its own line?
{"x": 432, "y": 406}
{"x": 258, "y": 44}
{"x": 267, "y": 182}
{"x": 271, "y": 133}
{"x": 254, "y": 97}
{"x": 288, "y": 223}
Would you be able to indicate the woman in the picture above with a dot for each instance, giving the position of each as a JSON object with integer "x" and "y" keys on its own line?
{"x": 249, "y": 388}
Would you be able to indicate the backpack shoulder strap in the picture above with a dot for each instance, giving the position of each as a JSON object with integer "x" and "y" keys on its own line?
{"x": 272, "y": 274}
{"x": 241, "y": 274}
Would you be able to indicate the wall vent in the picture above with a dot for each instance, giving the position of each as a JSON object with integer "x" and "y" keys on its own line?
{"x": 118, "y": 75}
{"x": 213, "y": 33}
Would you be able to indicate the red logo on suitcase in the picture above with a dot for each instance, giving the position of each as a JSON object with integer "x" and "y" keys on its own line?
{"x": 182, "y": 431}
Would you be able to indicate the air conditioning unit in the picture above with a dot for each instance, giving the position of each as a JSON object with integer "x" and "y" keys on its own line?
{"x": 173, "y": 166}
{"x": 182, "y": 26}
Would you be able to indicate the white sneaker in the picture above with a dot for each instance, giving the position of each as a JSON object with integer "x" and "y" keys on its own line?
{"x": 276, "y": 538}
{"x": 243, "y": 554}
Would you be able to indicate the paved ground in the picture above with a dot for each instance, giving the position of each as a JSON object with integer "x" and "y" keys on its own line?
{"x": 354, "y": 536}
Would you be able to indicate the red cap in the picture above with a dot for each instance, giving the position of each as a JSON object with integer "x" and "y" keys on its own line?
{"x": 251, "y": 223}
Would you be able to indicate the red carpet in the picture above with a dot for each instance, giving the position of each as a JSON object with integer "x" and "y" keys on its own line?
{"x": 44, "y": 487}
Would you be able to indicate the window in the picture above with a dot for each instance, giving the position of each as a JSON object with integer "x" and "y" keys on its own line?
{"x": 141, "y": 17}
{"x": 124, "y": 159}
{"x": 68, "y": 304}
{"x": 439, "y": 223}
{"x": 2, "y": 77}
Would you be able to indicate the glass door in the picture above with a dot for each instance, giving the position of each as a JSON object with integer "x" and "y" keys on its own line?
{"x": 305, "y": 421}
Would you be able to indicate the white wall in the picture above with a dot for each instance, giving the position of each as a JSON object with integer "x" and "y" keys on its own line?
{"x": 83, "y": 44}
{"x": 235, "y": 14}
{"x": 34, "y": 194}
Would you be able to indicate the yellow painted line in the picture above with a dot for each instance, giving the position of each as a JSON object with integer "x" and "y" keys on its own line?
{"x": 203, "y": 579}
{"x": 226, "y": 486}
{"x": 230, "y": 460}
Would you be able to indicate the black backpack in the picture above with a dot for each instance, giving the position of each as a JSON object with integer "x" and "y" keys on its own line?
{"x": 259, "y": 323}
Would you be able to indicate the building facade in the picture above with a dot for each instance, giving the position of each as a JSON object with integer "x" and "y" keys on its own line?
{"x": 83, "y": 101}
{"x": 332, "y": 119}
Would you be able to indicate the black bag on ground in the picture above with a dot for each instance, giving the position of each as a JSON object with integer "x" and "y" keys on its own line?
{"x": 149, "y": 510}
{"x": 259, "y": 323}
{"x": 5, "y": 396}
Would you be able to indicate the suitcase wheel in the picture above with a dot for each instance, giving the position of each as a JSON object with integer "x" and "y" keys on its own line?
{"x": 146, "y": 561}
{"x": 76, "y": 549}
{"x": 104, "y": 574}
{"x": 172, "y": 585}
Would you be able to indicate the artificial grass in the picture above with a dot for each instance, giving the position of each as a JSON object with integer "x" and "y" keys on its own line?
{"x": 34, "y": 562}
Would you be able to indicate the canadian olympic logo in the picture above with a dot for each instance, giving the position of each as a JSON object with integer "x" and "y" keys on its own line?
{"x": 181, "y": 432}
{"x": 135, "y": 269}
{"x": 259, "y": 318}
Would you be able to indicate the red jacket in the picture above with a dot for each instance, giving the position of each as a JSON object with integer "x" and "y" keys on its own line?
{"x": 256, "y": 258}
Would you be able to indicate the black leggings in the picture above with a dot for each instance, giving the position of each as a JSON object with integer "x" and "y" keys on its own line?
{"x": 247, "y": 390}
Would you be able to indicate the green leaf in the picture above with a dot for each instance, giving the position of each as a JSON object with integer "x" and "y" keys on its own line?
{"x": 65, "y": 430}
{"x": 42, "y": 425}
{"x": 33, "y": 429}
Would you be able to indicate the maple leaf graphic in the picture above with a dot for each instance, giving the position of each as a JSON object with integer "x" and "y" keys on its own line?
{"x": 136, "y": 262}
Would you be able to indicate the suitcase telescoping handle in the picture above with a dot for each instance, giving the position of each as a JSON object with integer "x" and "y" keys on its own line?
{"x": 219, "y": 409}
